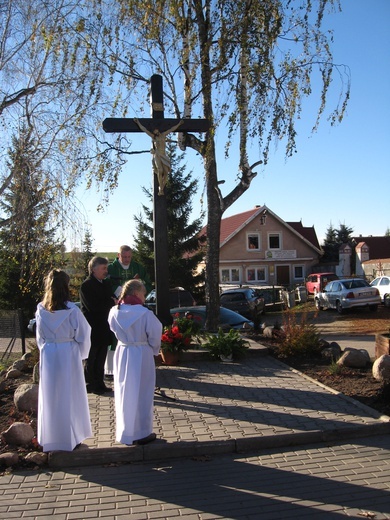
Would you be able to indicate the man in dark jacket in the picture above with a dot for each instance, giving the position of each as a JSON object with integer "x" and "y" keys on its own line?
{"x": 96, "y": 300}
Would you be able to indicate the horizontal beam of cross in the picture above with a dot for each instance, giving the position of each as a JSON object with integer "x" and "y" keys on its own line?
{"x": 124, "y": 124}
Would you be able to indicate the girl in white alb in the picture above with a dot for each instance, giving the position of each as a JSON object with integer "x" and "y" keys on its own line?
{"x": 138, "y": 332}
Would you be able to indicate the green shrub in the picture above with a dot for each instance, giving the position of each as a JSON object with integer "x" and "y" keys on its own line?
{"x": 335, "y": 369}
{"x": 299, "y": 338}
{"x": 226, "y": 344}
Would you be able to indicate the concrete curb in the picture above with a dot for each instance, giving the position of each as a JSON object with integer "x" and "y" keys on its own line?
{"x": 163, "y": 451}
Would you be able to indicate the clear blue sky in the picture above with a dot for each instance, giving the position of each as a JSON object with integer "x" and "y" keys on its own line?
{"x": 340, "y": 175}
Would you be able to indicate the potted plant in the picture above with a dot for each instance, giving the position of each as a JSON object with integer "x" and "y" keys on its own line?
{"x": 226, "y": 346}
{"x": 178, "y": 337}
{"x": 382, "y": 344}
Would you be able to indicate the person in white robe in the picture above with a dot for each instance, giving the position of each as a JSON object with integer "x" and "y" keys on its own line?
{"x": 63, "y": 338}
{"x": 138, "y": 332}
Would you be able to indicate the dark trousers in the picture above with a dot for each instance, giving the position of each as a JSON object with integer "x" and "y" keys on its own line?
{"x": 94, "y": 365}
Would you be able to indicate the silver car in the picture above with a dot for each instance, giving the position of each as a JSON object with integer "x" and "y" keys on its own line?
{"x": 348, "y": 294}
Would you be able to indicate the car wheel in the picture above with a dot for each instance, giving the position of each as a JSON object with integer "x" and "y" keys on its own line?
{"x": 339, "y": 307}
{"x": 373, "y": 308}
{"x": 319, "y": 307}
{"x": 386, "y": 300}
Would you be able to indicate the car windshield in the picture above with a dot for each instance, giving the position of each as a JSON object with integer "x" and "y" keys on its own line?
{"x": 355, "y": 284}
{"x": 232, "y": 297}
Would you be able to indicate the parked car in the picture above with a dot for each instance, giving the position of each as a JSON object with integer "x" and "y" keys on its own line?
{"x": 227, "y": 319}
{"x": 348, "y": 294}
{"x": 246, "y": 301}
{"x": 382, "y": 283}
{"x": 32, "y": 325}
{"x": 178, "y": 297}
{"x": 316, "y": 282}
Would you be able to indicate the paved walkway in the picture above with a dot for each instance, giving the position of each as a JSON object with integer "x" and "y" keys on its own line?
{"x": 228, "y": 408}
{"x": 240, "y": 441}
{"x": 315, "y": 482}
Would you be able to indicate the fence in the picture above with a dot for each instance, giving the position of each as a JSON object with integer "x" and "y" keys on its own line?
{"x": 11, "y": 329}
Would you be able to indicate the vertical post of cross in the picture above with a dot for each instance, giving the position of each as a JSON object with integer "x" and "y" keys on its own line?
{"x": 160, "y": 218}
{"x": 158, "y": 128}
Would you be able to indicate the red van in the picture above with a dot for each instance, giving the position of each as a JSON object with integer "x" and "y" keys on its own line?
{"x": 317, "y": 281}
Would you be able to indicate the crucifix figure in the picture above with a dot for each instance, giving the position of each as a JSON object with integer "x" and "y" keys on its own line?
{"x": 161, "y": 162}
{"x": 158, "y": 128}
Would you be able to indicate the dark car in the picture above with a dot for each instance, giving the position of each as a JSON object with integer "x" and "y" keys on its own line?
{"x": 178, "y": 297}
{"x": 227, "y": 319}
{"x": 246, "y": 301}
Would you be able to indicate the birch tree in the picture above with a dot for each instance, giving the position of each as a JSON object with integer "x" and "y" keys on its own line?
{"x": 247, "y": 66}
{"x": 51, "y": 83}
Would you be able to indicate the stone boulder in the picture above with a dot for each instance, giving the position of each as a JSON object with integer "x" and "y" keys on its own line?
{"x": 332, "y": 352}
{"x": 18, "y": 434}
{"x": 9, "y": 459}
{"x": 354, "y": 358}
{"x": 37, "y": 457}
{"x": 26, "y": 398}
{"x": 268, "y": 332}
{"x": 3, "y": 385}
{"x": 362, "y": 350}
{"x": 322, "y": 343}
{"x": 381, "y": 369}
{"x": 271, "y": 331}
{"x": 21, "y": 365}
{"x": 35, "y": 375}
{"x": 13, "y": 373}
{"x": 27, "y": 356}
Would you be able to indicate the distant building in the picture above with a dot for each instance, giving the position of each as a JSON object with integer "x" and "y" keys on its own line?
{"x": 257, "y": 247}
{"x": 372, "y": 256}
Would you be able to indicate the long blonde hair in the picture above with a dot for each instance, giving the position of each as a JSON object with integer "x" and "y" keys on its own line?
{"x": 56, "y": 290}
{"x": 130, "y": 288}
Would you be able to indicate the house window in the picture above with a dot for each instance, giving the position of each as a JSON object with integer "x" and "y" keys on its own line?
{"x": 253, "y": 242}
{"x": 256, "y": 274}
{"x": 274, "y": 241}
{"x": 230, "y": 275}
{"x": 298, "y": 272}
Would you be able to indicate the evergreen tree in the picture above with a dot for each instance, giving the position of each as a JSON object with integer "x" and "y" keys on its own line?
{"x": 344, "y": 234}
{"x": 78, "y": 265}
{"x": 184, "y": 251}
{"x": 334, "y": 239}
{"x": 87, "y": 251}
{"x": 28, "y": 246}
{"x": 330, "y": 245}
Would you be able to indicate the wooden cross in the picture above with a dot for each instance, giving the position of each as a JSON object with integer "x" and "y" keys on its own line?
{"x": 158, "y": 128}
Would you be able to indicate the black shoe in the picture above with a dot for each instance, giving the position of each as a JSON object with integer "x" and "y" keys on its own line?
{"x": 103, "y": 388}
{"x": 90, "y": 389}
{"x": 146, "y": 440}
{"x": 95, "y": 390}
